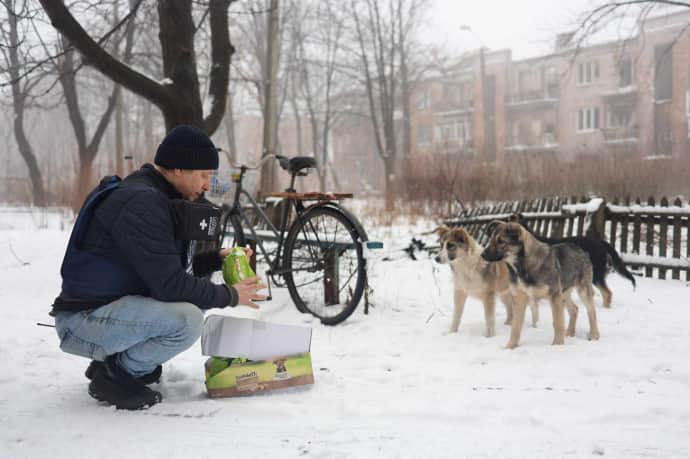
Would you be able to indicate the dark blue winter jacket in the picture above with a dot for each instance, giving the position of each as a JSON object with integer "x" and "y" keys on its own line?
{"x": 129, "y": 248}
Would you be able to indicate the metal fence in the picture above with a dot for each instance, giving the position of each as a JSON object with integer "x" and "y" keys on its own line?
{"x": 651, "y": 236}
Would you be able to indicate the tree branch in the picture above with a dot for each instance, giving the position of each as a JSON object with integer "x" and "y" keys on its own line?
{"x": 136, "y": 82}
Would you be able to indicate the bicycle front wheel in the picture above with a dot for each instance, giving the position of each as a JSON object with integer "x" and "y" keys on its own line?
{"x": 325, "y": 264}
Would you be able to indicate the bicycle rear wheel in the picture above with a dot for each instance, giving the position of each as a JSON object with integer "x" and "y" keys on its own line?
{"x": 325, "y": 265}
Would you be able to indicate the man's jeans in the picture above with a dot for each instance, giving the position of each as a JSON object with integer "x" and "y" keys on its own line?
{"x": 143, "y": 332}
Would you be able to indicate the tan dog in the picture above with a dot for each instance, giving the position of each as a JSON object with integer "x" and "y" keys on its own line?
{"x": 539, "y": 270}
{"x": 476, "y": 278}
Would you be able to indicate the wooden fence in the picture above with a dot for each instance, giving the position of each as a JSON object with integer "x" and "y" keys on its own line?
{"x": 651, "y": 237}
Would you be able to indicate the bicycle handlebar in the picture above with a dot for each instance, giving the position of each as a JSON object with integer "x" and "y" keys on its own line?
{"x": 257, "y": 165}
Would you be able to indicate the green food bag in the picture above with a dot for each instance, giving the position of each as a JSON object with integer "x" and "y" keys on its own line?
{"x": 236, "y": 266}
{"x": 215, "y": 365}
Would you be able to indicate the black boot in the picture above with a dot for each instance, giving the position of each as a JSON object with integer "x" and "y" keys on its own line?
{"x": 93, "y": 367}
{"x": 151, "y": 378}
{"x": 114, "y": 385}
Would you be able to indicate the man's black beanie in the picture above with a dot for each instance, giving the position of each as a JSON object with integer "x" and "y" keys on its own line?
{"x": 187, "y": 147}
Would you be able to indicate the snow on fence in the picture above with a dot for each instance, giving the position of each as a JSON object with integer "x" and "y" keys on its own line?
{"x": 651, "y": 237}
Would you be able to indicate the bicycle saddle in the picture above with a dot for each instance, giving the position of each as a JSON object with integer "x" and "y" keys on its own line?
{"x": 297, "y": 164}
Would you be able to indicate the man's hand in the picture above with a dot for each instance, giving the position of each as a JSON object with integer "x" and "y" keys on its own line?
{"x": 246, "y": 291}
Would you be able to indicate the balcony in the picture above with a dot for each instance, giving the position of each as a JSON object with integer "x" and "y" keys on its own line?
{"x": 621, "y": 134}
{"x": 626, "y": 94}
{"x": 534, "y": 99}
{"x": 532, "y": 142}
{"x": 449, "y": 110}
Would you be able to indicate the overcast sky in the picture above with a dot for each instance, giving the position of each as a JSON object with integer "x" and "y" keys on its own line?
{"x": 528, "y": 27}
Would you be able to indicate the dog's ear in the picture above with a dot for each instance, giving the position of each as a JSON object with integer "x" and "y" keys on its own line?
{"x": 442, "y": 231}
{"x": 514, "y": 217}
{"x": 515, "y": 231}
{"x": 460, "y": 235}
{"x": 492, "y": 226}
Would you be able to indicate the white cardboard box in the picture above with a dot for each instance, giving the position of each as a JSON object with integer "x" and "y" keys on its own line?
{"x": 225, "y": 336}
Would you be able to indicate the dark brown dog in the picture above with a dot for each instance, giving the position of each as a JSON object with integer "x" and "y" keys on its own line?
{"x": 539, "y": 270}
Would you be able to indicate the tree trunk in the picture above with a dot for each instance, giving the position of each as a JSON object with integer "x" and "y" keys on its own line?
{"x": 270, "y": 99}
{"x": 404, "y": 88}
{"x": 389, "y": 170}
{"x": 119, "y": 148}
{"x": 229, "y": 121}
{"x": 18, "y": 101}
{"x": 29, "y": 158}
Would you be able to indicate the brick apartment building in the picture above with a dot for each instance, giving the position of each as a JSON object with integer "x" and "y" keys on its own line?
{"x": 627, "y": 98}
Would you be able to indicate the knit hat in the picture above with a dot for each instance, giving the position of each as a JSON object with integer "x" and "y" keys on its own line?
{"x": 187, "y": 147}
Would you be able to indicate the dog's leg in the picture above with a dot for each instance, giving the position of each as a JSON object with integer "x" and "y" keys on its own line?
{"x": 507, "y": 301}
{"x": 605, "y": 293}
{"x": 572, "y": 313}
{"x": 586, "y": 294}
{"x": 490, "y": 314}
{"x": 459, "y": 298}
{"x": 558, "y": 319}
{"x": 534, "y": 308}
{"x": 520, "y": 303}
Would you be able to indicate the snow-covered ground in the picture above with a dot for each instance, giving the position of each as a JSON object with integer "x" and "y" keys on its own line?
{"x": 390, "y": 384}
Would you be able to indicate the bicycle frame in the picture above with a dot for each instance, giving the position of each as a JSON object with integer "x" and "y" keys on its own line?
{"x": 275, "y": 264}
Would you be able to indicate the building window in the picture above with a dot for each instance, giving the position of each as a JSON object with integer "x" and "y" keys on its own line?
{"x": 454, "y": 131}
{"x": 587, "y": 72}
{"x": 549, "y": 135}
{"x": 587, "y": 119}
{"x": 452, "y": 93}
{"x": 551, "y": 78}
{"x": 424, "y": 100}
{"x": 625, "y": 73}
{"x": 620, "y": 116}
{"x": 448, "y": 132}
{"x": 423, "y": 135}
{"x": 663, "y": 78}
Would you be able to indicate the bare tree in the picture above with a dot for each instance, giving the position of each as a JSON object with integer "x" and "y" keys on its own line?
{"x": 383, "y": 35}
{"x": 178, "y": 95}
{"x": 262, "y": 72}
{"x": 318, "y": 35}
{"x": 87, "y": 149}
{"x": 16, "y": 57}
{"x": 601, "y": 15}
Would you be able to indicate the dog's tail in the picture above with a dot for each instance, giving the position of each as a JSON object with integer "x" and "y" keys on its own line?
{"x": 618, "y": 264}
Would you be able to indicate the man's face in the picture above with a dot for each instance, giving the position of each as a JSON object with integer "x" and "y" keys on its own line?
{"x": 192, "y": 183}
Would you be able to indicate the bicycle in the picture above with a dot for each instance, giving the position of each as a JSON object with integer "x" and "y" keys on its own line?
{"x": 320, "y": 254}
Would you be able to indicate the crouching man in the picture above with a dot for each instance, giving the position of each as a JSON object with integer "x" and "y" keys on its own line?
{"x": 128, "y": 302}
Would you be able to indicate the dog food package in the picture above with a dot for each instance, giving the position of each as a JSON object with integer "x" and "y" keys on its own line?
{"x": 250, "y": 356}
{"x": 230, "y": 377}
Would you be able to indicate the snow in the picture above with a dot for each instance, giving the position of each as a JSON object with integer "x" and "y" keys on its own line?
{"x": 643, "y": 210}
{"x": 588, "y": 207}
{"x": 389, "y": 384}
{"x": 632, "y": 258}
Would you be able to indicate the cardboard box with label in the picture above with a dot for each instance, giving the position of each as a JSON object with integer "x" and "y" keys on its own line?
{"x": 249, "y": 356}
